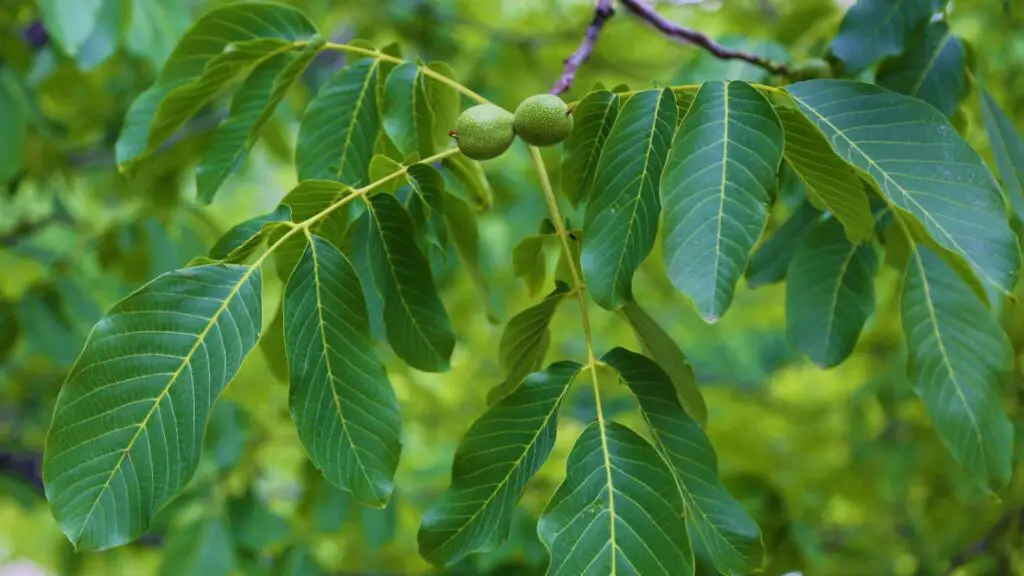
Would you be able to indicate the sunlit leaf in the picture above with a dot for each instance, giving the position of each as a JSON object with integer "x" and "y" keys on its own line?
{"x": 416, "y": 321}
{"x": 1008, "y": 149}
{"x": 959, "y": 359}
{"x": 624, "y": 207}
{"x": 933, "y": 69}
{"x": 618, "y": 511}
{"x": 874, "y": 29}
{"x": 129, "y": 421}
{"x": 593, "y": 118}
{"x": 830, "y": 293}
{"x": 405, "y": 113}
{"x": 729, "y": 535}
{"x": 496, "y": 458}
{"x": 922, "y": 166}
{"x": 716, "y": 189}
{"x": 241, "y": 241}
{"x": 770, "y": 261}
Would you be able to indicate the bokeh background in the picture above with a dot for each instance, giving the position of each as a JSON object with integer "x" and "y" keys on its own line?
{"x": 840, "y": 467}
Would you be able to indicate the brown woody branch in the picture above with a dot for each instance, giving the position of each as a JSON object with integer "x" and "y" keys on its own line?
{"x": 602, "y": 12}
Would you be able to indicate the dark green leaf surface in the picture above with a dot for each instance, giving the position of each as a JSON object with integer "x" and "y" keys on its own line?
{"x": 593, "y": 118}
{"x": 716, "y": 190}
{"x": 831, "y": 184}
{"x": 306, "y": 200}
{"x": 618, "y": 511}
{"x": 340, "y": 127}
{"x": 1008, "y": 149}
{"x": 252, "y": 105}
{"x": 874, "y": 29}
{"x": 932, "y": 69}
{"x": 428, "y": 196}
{"x": 729, "y": 535}
{"x": 959, "y": 359}
{"x": 405, "y": 113}
{"x": 920, "y": 163}
{"x": 622, "y": 215}
{"x": 416, "y": 321}
{"x": 770, "y": 261}
{"x": 12, "y": 129}
{"x": 830, "y": 293}
{"x": 496, "y": 458}
{"x": 129, "y": 422}
{"x": 241, "y": 241}
{"x": 661, "y": 348}
{"x": 341, "y": 399}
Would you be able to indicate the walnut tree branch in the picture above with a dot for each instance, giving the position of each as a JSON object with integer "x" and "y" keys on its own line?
{"x": 985, "y": 544}
{"x": 602, "y": 12}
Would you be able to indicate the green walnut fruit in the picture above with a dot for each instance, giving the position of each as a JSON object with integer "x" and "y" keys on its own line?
{"x": 815, "y": 68}
{"x": 543, "y": 120}
{"x": 484, "y": 131}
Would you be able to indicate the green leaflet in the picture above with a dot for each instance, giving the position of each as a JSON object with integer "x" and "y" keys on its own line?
{"x": 243, "y": 239}
{"x": 525, "y": 341}
{"x": 415, "y": 319}
{"x": 103, "y": 40}
{"x": 716, "y": 190}
{"x": 340, "y": 127}
{"x": 874, "y": 29}
{"x": 530, "y": 263}
{"x": 341, "y": 399}
{"x": 959, "y": 360}
{"x": 831, "y": 184}
{"x": 306, "y": 200}
{"x": 619, "y": 511}
{"x": 460, "y": 221}
{"x": 428, "y": 196}
{"x": 468, "y": 174}
{"x": 593, "y": 118}
{"x": 830, "y": 293}
{"x": 933, "y": 69}
{"x": 1008, "y": 149}
{"x": 252, "y": 105}
{"x": 496, "y": 458}
{"x": 405, "y": 113}
{"x": 770, "y": 261}
{"x": 154, "y": 29}
{"x": 129, "y": 421}
{"x": 924, "y": 167}
{"x": 621, "y": 221}
{"x": 203, "y": 547}
{"x": 729, "y": 535}
{"x": 380, "y": 167}
{"x": 445, "y": 104}
{"x": 660, "y": 347}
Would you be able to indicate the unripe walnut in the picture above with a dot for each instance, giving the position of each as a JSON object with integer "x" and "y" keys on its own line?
{"x": 543, "y": 120}
{"x": 484, "y": 132}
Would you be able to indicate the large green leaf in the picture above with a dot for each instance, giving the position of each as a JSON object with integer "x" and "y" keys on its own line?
{"x": 621, "y": 221}
{"x": 874, "y": 29}
{"x": 242, "y": 240}
{"x": 129, "y": 422}
{"x": 932, "y": 69}
{"x": 416, "y": 321}
{"x": 1008, "y": 149}
{"x": 716, "y": 190}
{"x": 830, "y": 183}
{"x": 405, "y": 113}
{"x": 661, "y": 348}
{"x": 770, "y": 261}
{"x": 593, "y": 118}
{"x": 959, "y": 360}
{"x": 496, "y": 458}
{"x": 920, "y": 163}
{"x": 619, "y": 510}
{"x": 252, "y": 105}
{"x": 341, "y": 399}
{"x": 729, "y": 535}
{"x": 340, "y": 127}
{"x": 830, "y": 293}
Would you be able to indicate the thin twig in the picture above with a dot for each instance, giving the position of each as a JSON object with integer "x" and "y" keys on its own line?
{"x": 646, "y": 13}
{"x": 602, "y": 12}
{"x": 982, "y": 546}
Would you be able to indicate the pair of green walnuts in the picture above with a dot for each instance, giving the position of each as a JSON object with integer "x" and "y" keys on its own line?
{"x": 486, "y": 131}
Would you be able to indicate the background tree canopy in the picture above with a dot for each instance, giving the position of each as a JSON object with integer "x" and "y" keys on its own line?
{"x": 759, "y": 311}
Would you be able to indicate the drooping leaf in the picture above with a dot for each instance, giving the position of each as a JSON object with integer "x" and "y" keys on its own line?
{"x": 405, "y": 113}
{"x": 874, "y": 29}
{"x": 428, "y": 196}
{"x": 154, "y": 29}
{"x": 461, "y": 222}
{"x": 341, "y": 399}
{"x": 830, "y": 293}
{"x": 830, "y": 183}
{"x": 241, "y": 241}
{"x": 922, "y": 166}
{"x": 471, "y": 178}
{"x": 770, "y": 261}
{"x": 252, "y": 105}
{"x": 202, "y": 547}
{"x": 932, "y": 69}
{"x": 661, "y": 348}
{"x": 416, "y": 321}
{"x": 621, "y": 221}
{"x": 959, "y": 359}
{"x": 129, "y": 422}
{"x": 444, "y": 104}
{"x": 496, "y": 458}
{"x": 529, "y": 262}
{"x": 730, "y": 537}
{"x": 593, "y": 118}
{"x": 716, "y": 191}
{"x": 340, "y": 127}
{"x": 619, "y": 510}
{"x": 1008, "y": 149}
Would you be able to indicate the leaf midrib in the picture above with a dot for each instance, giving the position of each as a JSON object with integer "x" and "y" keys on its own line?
{"x": 931, "y": 62}
{"x": 371, "y": 73}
